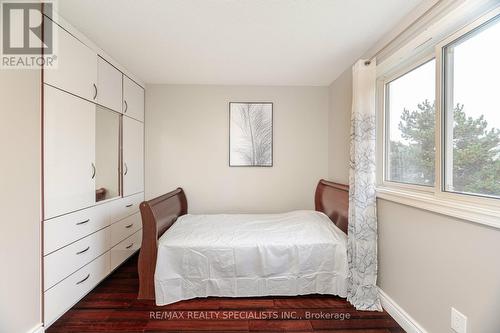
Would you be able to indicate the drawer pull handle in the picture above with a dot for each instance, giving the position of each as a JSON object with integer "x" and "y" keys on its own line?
{"x": 128, "y": 247}
{"x": 129, "y": 205}
{"x": 83, "y": 222}
{"x": 129, "y": 226}
{"x": 83, "y": 251}
{"x": 85, "y": 279}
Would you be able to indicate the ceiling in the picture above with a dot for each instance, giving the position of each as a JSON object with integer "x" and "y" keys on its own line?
{"x": 235, "y": 42}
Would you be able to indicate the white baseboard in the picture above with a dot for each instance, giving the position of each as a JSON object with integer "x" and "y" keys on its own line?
{"x": 37, "y": 329}
{"x": 404, "y": 320}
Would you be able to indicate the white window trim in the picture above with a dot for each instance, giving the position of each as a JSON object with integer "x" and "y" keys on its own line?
{"x": 382, "y": 117}
{"x": 478, "y": 213}
{"x": 482, "y": 210}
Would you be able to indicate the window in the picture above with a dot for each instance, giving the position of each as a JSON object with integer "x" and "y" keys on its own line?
{"x": 410, "y": 126}
{"x": 438, "y": 135}
{"x": 472, "y": 112}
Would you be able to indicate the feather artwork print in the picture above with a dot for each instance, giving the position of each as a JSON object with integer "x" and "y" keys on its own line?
{"x": 251, "y": 134}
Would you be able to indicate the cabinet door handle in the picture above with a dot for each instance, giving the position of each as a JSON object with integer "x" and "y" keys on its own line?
{"x": 129, "y": 205}
{"x": 128, "y": 247}
{"x": 85, "y": 279}
{"x": 126, "y": 169}
{"x": 93, "y": 170}
{"x": 95, "y": 91}
{"x": 129, "y": 226}
{"x": 83, "y": 251}
{"x": 83, "y": 222}
{"x": 126, "y": 106}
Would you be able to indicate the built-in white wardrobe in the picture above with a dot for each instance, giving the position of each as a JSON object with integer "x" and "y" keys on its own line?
{"x": 93, "y": 169}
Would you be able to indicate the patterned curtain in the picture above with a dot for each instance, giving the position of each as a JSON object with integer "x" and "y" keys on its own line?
{"x": 362, "y": 291}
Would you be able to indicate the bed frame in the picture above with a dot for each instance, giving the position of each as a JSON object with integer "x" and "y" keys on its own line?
{"x": 160, "y": 213}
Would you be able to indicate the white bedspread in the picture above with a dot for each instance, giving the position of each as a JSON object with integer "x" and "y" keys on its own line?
{"x": 295, "y": 253}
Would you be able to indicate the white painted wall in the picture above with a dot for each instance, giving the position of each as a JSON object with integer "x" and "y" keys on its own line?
{"x": 187, "y": 133}
{"x": 20, "y": 283}
{"x": 339, "y": 124}
{"x": 427, "y": 262}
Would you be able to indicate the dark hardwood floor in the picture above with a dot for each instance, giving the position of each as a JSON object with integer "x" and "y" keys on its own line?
{"x": 112, "y": 307}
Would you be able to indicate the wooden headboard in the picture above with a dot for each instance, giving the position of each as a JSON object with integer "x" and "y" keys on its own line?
{"x": 160, "y": 213}
{"x": 333, "y": 200}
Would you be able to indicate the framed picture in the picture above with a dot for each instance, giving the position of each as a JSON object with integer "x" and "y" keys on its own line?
{"x": 251, "y": 134}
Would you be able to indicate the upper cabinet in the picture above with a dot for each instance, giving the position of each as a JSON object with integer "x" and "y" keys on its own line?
{"x": 109, "y": 85}
{"x": 133, "y": 99}
{"x": 91, "y": 154}
{"x": 76, "y": 70}
{"x": 69, "y": 153}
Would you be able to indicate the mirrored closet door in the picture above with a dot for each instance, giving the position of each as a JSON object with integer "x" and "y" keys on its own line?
{"x": 107, "y": 154}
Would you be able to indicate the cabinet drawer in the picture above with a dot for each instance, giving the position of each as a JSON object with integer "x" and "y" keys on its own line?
{"x": 65, "y": 294}
{"x": 125, "y": 207}
{"x": 125, "y": 228}
{"x": 67, "y": 260}
{"x": 125, "y": 249}
{"x": 66, "y": 229}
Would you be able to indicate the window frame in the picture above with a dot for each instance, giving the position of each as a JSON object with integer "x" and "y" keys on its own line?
{"x": 447, "y": 131}
{"x": 471, "y": 207}
{"x": 399, "y": 72}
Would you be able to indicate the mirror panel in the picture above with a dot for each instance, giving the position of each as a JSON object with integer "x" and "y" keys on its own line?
{"x": 107, "y": 154}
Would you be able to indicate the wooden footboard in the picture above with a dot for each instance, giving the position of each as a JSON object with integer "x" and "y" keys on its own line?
{"x": 158, "y": 215}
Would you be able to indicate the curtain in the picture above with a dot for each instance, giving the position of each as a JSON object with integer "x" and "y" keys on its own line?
{"x": 362, "y": 291}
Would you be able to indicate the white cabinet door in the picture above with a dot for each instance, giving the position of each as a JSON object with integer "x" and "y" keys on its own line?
{"x": 109, "y": 85}
{"x": 133, "y": 99}
{"x": 76, "y": 70}
{"x": 69, "y": 152}
{"x": 133, "y": 156}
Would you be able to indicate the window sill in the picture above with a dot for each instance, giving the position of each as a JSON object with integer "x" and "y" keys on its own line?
{"x": 481, "y": 214}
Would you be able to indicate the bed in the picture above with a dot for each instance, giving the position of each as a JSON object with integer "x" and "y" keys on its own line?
{"x": 185, "y": 256}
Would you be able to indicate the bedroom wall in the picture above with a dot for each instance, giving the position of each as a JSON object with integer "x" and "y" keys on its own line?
{"x": 20, "y": 286}
{"x": 339, "y": 123}
{"x": 427, "y": 262}
{"x": 186, "y": 145}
